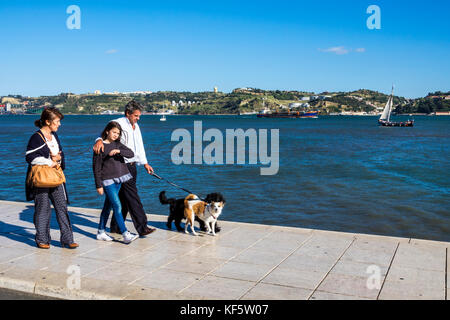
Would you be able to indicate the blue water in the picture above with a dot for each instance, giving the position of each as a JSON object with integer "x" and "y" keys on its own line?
{"x": 336, "y": 173}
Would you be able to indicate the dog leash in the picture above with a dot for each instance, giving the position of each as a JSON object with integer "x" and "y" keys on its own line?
{"x": 175, "y": 185}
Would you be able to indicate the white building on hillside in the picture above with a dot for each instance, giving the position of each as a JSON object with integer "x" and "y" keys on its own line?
{"x": 295, "y": 105}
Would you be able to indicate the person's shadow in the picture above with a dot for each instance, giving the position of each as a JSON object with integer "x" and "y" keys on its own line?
{"x": 19, "y": 233}
{"x": 27, "y": 234}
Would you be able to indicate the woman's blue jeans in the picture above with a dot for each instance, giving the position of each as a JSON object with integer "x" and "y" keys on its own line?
{"x": 112, "y": 201}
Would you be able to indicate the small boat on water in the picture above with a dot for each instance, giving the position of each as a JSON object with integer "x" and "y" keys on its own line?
{"x": 385, "y": 119}
{"x": 289, "y": 114}
{"x": 163, "y": 118}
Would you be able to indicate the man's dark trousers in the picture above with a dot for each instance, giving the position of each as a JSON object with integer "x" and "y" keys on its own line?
{"x": 131, "y": 202}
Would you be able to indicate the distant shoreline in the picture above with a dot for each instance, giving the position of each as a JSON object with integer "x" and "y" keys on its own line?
{"x": 240, "y": 101}
{"x": 227, "y": 114}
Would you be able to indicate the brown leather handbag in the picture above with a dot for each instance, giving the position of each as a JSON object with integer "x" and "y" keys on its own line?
{"x": 43, "y": 176}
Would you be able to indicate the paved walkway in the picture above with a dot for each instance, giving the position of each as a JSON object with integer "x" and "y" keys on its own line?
{"x": 8, "y": 294}
{"x": 244, "y": 261}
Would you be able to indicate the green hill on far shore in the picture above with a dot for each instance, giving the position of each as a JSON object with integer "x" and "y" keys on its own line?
{"x": 242, "y": 100}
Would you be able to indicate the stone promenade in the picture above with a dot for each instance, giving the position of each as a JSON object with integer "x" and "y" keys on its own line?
{"x": 244, "y": 261}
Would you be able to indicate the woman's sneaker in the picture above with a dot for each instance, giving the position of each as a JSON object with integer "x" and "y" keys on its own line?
{"x": 128, "y": 237}
{"x": 103, "y": 236}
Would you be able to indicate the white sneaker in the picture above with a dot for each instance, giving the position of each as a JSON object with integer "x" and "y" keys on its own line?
{"x": 128, "y": 237}
{"x": 103, "y": 236}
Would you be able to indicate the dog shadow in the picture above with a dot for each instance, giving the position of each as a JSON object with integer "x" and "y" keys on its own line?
{"x": 163, "y": 225}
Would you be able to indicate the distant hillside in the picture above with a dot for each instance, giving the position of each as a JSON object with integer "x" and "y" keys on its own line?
{"x": 238, "y": 101}
{"x": 10, "y": 100}
{"x": 433, "y": 102}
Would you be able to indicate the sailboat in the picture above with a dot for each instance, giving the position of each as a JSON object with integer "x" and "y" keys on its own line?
{"x": 385, "y": 119}
{"x": 163, "y": 118}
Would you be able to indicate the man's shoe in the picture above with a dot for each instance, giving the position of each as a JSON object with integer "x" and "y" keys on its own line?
{"x": 43, "y": 246}
{"x": 147, "y": 232}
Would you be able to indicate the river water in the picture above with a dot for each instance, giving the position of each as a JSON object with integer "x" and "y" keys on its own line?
{"x": 335, "y": 172}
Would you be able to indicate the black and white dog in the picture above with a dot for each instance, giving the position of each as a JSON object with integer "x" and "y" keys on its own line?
{"x": 177, "y": 210}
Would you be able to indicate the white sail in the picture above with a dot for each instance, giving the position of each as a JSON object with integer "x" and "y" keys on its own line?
{"x": 387, "y": 111}
{"x": 390, "y": 108}
{"x": 386, "y": 115}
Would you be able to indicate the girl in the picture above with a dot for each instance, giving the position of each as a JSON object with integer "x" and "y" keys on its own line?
{"x": 44, "y": 148}
{"x": 110, "y": 171}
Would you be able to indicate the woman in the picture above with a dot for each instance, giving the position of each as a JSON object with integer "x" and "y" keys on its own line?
{"x": 110, "y": 171}
{"x": 44, "y": 148}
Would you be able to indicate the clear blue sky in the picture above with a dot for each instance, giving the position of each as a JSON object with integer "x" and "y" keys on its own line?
{"x": 196, "y": 45}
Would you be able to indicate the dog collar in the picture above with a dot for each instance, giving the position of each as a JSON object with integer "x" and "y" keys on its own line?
{"x": 208, "y": 205}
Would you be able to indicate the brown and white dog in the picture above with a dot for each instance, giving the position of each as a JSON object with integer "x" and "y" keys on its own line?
{"x": 208, "y": 212}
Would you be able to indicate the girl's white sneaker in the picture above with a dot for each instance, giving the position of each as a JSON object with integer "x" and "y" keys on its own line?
{"x": 104, "y": 237}
{"x": 128, "y": 237}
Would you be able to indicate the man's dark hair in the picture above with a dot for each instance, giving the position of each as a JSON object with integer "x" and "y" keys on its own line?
{"x": 132, "y": 106}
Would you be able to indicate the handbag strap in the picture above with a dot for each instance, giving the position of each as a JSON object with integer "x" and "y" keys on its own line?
{"x": 42, "y": 136}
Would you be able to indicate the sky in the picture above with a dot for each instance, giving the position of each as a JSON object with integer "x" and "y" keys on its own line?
{"x": 312, "y": 46}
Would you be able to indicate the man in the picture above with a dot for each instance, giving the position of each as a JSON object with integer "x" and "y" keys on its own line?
{"x": 129, "y": 198}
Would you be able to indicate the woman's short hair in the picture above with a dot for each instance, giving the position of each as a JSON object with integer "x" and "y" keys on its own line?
{"x": 109, "y": 126}
{"x": 48, "y": 114}
{"x": 132, "y": 106}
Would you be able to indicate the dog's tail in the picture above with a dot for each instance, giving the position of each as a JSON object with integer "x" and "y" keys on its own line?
{"x": 163, "y": 199}
{"x": 188, "y": 198}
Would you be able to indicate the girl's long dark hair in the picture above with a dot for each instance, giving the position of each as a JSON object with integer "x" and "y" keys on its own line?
{"x": 109, "y": 126}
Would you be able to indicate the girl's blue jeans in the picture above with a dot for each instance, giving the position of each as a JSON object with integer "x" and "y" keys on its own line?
{"x": 112, "y": 201}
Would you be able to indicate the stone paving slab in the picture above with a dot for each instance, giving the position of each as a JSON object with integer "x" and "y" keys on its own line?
{"x": 323, "y": 295}
{"x": 244, "y": 261}
{"x": 349, "y": 285}
{"x": 266, "y": 291}
{"x": 447, "y": 274}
